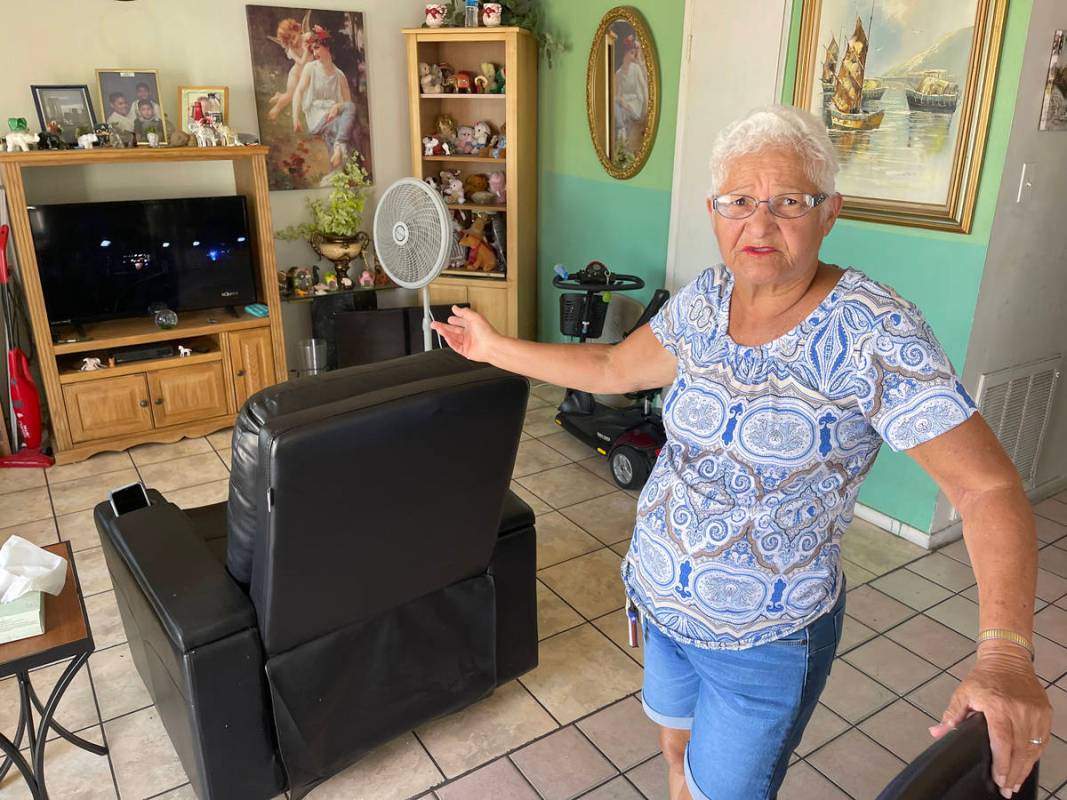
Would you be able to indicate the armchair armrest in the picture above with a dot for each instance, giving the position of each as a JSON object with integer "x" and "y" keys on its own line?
{"x": 195, "y": 598}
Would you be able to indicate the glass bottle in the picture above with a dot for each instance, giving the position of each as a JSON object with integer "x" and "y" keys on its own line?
{"x": 471, "y": 18}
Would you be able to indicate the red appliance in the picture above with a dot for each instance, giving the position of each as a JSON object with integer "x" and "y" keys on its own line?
{"x": 23, "y": 399}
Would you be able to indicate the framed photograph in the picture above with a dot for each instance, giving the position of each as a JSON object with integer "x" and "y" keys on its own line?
{"x": 1054, "y": 104}
{"x": 309, "y": 72}
{"x": 212, "y": 100}
{"x": 905, "y": 90}
{"x": 129, "y": 99}
{"x": 70, "y": 106}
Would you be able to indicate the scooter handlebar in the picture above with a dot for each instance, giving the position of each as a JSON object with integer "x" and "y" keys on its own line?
{"x": 617, "y": 282}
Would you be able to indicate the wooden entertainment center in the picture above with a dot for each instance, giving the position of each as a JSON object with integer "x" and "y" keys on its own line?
{"x": 161, "y": 400}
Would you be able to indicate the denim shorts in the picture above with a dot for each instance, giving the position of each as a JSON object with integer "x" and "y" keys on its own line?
{"x": 746, "y": 709}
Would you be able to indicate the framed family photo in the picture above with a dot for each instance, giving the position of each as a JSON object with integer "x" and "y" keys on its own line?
{"x": 905, "y": 89}
{"x": 212, "y": 100}
{"x": 70, "y": 106}
{"x": 129, "y": 99}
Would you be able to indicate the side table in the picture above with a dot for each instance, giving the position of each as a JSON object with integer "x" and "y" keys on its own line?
{"x": 67, "y": 635}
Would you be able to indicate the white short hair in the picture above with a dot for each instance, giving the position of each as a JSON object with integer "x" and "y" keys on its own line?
{"x": 777, "y": 126}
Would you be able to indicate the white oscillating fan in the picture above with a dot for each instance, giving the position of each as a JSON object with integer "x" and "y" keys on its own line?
{"x": 413, "y": 238}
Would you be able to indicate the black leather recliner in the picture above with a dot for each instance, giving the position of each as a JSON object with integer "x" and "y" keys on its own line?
{"x": 371, "y": 571}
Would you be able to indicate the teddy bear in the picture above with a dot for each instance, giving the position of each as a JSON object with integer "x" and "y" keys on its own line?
{"x": 431, "y": 79}
{"x": 454, "y": 192}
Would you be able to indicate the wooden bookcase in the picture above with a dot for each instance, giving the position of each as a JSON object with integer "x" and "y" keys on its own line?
{"x": 166, "y": 399}
{"x": 508, "y": 300}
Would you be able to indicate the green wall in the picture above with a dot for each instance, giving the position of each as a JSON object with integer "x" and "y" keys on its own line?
{"x": 584, "y": 214}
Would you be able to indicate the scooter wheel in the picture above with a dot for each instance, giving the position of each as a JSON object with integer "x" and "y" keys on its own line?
{"x": 629, "y": 467}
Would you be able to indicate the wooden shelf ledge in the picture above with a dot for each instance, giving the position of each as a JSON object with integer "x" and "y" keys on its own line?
{"x": 140, "y": 330}
{"x": 132, "y": 155}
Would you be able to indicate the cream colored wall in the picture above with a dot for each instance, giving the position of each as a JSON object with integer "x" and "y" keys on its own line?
{"x": 190, "y": 42}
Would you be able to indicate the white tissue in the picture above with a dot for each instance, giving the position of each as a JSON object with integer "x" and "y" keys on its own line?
{"x": 25, "y": 567}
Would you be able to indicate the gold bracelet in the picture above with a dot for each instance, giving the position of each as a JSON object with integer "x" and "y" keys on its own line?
{"x": 1007, "y": 636}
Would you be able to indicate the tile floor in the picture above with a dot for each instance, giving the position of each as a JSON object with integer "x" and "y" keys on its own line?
{"x": 573, "y": 727}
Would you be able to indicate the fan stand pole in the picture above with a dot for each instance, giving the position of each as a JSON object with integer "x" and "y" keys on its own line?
{"x": 427, "y": 339}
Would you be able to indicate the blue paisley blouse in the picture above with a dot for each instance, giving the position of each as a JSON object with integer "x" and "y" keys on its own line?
{"x": 738, "y": 534}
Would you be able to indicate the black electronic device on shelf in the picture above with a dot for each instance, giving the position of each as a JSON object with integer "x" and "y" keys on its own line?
{"x": 101, "y": 261}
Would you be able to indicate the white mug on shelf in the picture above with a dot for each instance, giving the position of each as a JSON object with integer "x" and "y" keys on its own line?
{"x": 491, "y": 13}
{"x": 436, "y": 14}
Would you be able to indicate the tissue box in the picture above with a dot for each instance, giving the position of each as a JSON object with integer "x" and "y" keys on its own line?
{"x": 22, "y": 618}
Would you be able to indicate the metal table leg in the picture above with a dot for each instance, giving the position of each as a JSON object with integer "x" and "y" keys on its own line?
{"x": 24, "y": 720}
{"x": 15, "y": 757}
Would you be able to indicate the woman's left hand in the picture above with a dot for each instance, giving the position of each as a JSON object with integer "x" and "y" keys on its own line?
{"x": 1003, "y": 686}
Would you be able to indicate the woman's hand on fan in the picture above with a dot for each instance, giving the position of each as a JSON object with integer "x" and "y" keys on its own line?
{"x": 468, "y": 333}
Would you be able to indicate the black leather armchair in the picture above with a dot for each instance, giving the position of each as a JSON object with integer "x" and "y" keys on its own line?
{"x": 370, "y": 571}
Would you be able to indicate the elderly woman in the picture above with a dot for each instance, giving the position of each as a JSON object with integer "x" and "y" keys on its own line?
{"x": 788, "y": 374}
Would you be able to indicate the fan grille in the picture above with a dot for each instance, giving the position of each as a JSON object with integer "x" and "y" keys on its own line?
{"x": 412, "y": 233}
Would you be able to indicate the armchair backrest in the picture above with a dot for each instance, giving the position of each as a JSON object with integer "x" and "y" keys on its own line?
{"x": 361, "y": 489}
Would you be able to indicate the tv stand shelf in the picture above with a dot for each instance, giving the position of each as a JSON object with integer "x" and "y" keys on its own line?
{"x": 163, "y": 399}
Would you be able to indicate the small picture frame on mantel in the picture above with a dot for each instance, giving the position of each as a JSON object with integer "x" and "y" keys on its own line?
{"x": 213, "y": 102}
{"x": 68, "y": 105}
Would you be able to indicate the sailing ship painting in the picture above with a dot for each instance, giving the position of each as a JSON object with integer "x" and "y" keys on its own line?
{"x": 829, "y": 68}
{"x": 846, "y": 109}
{"x": 934, "y": 93}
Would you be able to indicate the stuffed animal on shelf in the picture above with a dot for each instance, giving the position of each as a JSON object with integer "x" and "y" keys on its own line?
{"x": 500, "y": 149}
{"x": 433, "y": 183}
{"x": 446, "y": 129}
{"x": 501, "y": 80}
{"x": 482, "y": 132}
{"x": 19, "y": 140}
{"x": 465, "y": 140}
{"x": 431, "y": 79}
{"x": 464, "y": 82}
{"x": 184, "y": 352}
{"x": 498, "y": 186}
{"x": 480, "y": 255}
{"x": 475, "y": 183}
{"x": 498, "y": 226}
{"x": 486, "y": 82}
{"x": 91, "y": 364}
{"x": 454, "y": 192}
{"x": 447, "y": 176}
{"x": 432, "y": 146}
{"x": 448, "y": 78}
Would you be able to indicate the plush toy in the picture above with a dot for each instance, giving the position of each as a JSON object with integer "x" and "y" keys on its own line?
{"x": 447, "y": 176}
{"x": 446, "y": 129}
{"x": 501, "y": 80}
{"x": 454, "y": 192}
{"x": 486, "y": 82}
{"x": 432, "y": 146}
{"x": 448, "y": 78}
{"x": 465, "y": 140}
{"x": 464, "y": 82}
{"x": 480, "y": 255}
{"x": 482, "y": 132}
{"x": 91, "y": 364}
{"x": 19, "y": 140}
{"x": 366, "y": 280}
{"x": 87, "y": 140}
{"x": 433, "y": 183}
{"x": 430, "y": 79}
{"x": 500, "y": 149}
{"x": 498, "y": 186}
{"x": 475, "y": 183}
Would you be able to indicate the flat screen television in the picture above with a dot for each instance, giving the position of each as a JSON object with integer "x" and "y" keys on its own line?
{"x": 102, "y": 261}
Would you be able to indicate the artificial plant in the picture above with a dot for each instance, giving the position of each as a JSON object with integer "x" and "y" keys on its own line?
{"x": 528, "y": 14}
{"x": 341, "y": 214}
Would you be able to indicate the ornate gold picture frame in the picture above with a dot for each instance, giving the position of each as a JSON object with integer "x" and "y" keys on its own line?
{"x": 623, "y": 92}
{"x": 906, "y": 93}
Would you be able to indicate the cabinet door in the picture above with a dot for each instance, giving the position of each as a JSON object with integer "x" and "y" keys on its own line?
{"x": 252, "y": 361}
{"x": 187, "y": 394}
{"x": 447, "y": 295}
{"x": 491, "y": 303}
{"x": 107, "y": 407}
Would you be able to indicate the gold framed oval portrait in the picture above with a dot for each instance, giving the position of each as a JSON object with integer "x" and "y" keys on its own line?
{"x": 623, "y": 92}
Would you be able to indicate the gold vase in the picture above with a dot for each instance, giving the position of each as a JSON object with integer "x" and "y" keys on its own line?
{"x": 341, "y": 250}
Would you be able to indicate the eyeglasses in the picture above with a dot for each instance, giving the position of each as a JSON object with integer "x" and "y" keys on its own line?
{"x": 792, "y": 205}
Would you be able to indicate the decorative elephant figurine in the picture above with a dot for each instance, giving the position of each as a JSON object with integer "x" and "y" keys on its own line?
{"x": 87, "y": 140}
{"x": 20, "y": 140}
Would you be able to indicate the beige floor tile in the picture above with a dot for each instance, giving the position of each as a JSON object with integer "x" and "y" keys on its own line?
{"x": 538, "y": 505}
{"x": 1053, "y": 772}
{"x": 891, "y": 665}
{"x": 1051, "y": 623}
{"x": 226, "y": 454}
{"x": 395, "y": 771}
{"x": 559, "y": 539}
{"x": 876, "y": 610}
{"x": 617, "y": 789}
{"x": 166, "y": 476}
{"x": 1050, "y": 662}
{"x": 933, "y": 697}
{"x": 590, "y": 584}
{"x": 99, "y": 464}
{"x": 804, "y": 782}
{"x": 205, "y": 494}
{"x": 962, "y": 668}
{"x": 39, "y": 531}
{"x": 548, "y": 392}
{"x": 598, "y": 465}
{"x": 80, "y": 529}
{"x": 617, "y": 628}
{"x": 609, "y": 518}
{"x": 623, "y": 732}
{"x": 119, "y": 689}
{"x": 902, "y": 729}
{"x": 82, "y": 493}
{"x": 565, "y": 486}
{"x": 70, "y": 773}
{"x": 16, "y": 480}
{"x": 1058, "y": 698}
{"x": 497, "y": 781}
{"x": 911, "y": 589}
{"x": 77, "y": 709}
{"x": 958, "y": 613}
{"x": 958, "y": 551}
{"x": 141, "y": 753}
{"x": 104, "y": 620}
{"x": 563, "y": 766}
{"x": 24, "y": 506}
{"x": 1049, "y": 531}
{"x": 580, "y": 671}
{"x": 573, "y": 448}
{"x": 1052, "y": 509}
{"x": 876, "y": 550}
{"x": 524, "y": 436}
{"x": 1052, "y": 558}
{"x": 947, "y": 572}
{"x": 145, "y": 454}
{"x": 857, "y": 765}
{"x": 553, "y": 615}
{"x": 823, "y": 726}
{"x": 535, "y": 402}
{"x": 1050, "y": 587}
{"x": 541, "y": 422}
{"x": 186, "y": 793}
{"x": 852, "y": 695}
{"x": 853, "y": 634}
{"x": 534, "y": 457}
{"x": 651, "y": 778}
{"x": 92, "y": 571}
{"x": 855, "y": 575}
{"x": 508, "y": 719}
{"x": 932, "y": 640}
{"x": 221, "y": 439}
{"x": 622, "y": 548}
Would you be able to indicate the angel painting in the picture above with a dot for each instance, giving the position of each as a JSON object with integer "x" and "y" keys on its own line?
{"x": 310, "y": 78}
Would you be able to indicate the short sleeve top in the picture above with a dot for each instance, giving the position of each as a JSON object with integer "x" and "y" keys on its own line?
{"x": 738, "y": 533}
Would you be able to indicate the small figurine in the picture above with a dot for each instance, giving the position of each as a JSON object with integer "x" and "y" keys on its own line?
{"x": 486, "y": 82}
{"x": 19, "y": 140}
{"x": 103, "y": 134}
{"x": 46, "y": 140}
{"x": 346, "y": 282}
{"x": 480, "y": 255}
{"x": 432, "y": 146}
{"x": 16, "y": 124}
{"x": 436, "y": 14}
{"x": 446, "y": 129}
{"x": 448, "y": 78}
{"x": 54, "y": 129}
{"x": 465, "y": 140}
{"x": 366, "y": 280}
{"x": 205, "y": 133}
{"x": 431, "y": 79}
{"x": 498, "y": 186}
{"x": 87, "y": 140}
{"x": 228, "y": 136}
{"x": 446, "y": 149}
{"x": 319, "y": 289}
{"x": 331, "y": 281}
{"x": 500, "y": 149}
{"x": 301, "y": 281}
{"x": 464, "y": 82}
{"x": 482, "y": 132}
{"x": 454, "y": 192}
{"x": 91, "y": 364}
{"x": 184, "y": 352}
